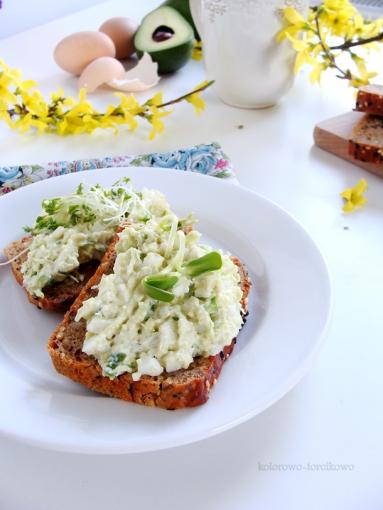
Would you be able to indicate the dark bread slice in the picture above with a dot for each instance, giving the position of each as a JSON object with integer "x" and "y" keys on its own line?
{"x": 58, "y": 296}
{"x": 366, "y": 142}
{"x": 370, "y": 99}
{"x": 184, "y": 388}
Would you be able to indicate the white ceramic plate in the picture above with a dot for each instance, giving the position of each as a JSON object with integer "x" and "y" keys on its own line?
{"x": 289, "y": 310}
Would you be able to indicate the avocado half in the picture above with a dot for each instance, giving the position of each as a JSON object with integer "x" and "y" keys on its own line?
{"x": 183, "y": 7}
{"x": 166, "y": 35}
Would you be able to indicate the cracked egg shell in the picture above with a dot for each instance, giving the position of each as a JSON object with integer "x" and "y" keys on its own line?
{"x": 141, "y": 77}
{"x": 100, "y": 71}
{"x": 78, "y": 50}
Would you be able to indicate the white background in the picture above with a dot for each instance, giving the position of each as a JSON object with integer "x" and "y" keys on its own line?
{"x": 18, "y": 15}
{"x": 335, "y": 414}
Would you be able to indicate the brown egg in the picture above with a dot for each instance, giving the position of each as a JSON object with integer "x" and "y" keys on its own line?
{"x": 100, "y": 71}
{"x": 76, "y": 51}
{"x": 121, "y": 31}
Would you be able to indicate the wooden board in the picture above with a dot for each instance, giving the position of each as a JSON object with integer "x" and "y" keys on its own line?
{"x": 332, "y": 135}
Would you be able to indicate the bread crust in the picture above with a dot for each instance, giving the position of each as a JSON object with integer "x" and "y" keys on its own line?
{"x": 365, "y": 152}
{"x": 183, "y": 388}
{"x": 366, "y": 142}
{"x": 59, "y": 296}
{"x": 370, "y": 99}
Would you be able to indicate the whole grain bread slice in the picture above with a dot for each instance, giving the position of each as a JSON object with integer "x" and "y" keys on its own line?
{"x": 366, "y": 142}
{"x": 183, "y": 388}
{"x": 59, "y": 295}
{"x": 370, "y": 99}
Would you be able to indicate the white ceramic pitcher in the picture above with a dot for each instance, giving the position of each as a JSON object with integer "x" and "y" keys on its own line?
{"x": 250, "y": 69}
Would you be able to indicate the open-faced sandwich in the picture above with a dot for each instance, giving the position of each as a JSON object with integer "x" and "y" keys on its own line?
{"x": 69, "y": 238}
{"x": 157, "y": 320}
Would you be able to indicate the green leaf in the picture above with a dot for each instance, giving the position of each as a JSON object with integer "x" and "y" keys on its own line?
{"x": 210, "y": 262}
{"x": 161, "y": 281}
{"x": 45, "y": 223}
{"x": 51, "y": 206}
{"x": 155, "y": 287}
{"x": 74, "y": 214}
{"x": 158, "y": 294}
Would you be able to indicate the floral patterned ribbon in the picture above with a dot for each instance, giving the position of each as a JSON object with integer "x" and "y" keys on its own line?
{"x": 206, "y": 159}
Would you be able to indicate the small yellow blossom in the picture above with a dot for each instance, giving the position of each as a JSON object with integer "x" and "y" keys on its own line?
{"x": 5, "y": 94}
{"x": 354, "y": 196}
{"x": 316, "y": 73}
{"x": 4, "y": 115}
{"x": 196, "y": 100}
{"x": 57, "y": 96}
{"x": 128, "y": 103}
{"x": 69, "y": 101}
{"x": 155, "y": 120}
{"x": 27, "y": 84}
{"x": 35, "y": 103}
{"x": 157, "y": 99}
{"x": 197, "y": 53}
{"x": 293, "y": 16}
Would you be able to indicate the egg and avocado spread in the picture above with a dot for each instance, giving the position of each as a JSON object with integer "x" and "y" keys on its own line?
{"x": 169, "y": 299}
{"x": 77, "y": 228}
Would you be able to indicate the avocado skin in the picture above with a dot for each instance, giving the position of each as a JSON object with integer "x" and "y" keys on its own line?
{"x": 183, "y": 7}
{"x": 171, "y": 59}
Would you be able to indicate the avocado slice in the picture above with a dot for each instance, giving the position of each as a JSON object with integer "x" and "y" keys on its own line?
{"x": 166, "y": 35}
{"x": 183, "y": 7}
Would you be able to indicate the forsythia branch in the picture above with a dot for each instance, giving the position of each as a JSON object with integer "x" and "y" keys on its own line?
{"x": 332, "y": 30}
{"x": 24, "y": 108}
{"x": 360, "y": 42}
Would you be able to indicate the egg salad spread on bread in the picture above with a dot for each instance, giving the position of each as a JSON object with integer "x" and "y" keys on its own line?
{"x": 169, "y": 299}
{"x": 77, "y": 228}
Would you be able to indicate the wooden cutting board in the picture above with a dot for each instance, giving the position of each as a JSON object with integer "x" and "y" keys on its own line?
{"x": 332, "y": 135}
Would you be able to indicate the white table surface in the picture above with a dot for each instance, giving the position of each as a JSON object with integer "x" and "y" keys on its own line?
{"x": 335, "y": 414}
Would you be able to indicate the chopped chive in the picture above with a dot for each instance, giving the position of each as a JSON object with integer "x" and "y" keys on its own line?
{"x": 115, "y": 359}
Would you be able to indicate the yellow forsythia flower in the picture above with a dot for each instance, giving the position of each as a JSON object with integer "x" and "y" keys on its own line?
{"x": 197, "y": 51}
{"x": 157, "y": 99}
{"x": 5, "y": 95}
{"x": 354, "y": 196}
{"x": 293, "y": 16}
{"x": 196, "y": 100}
{"x": 155, "y": 120}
